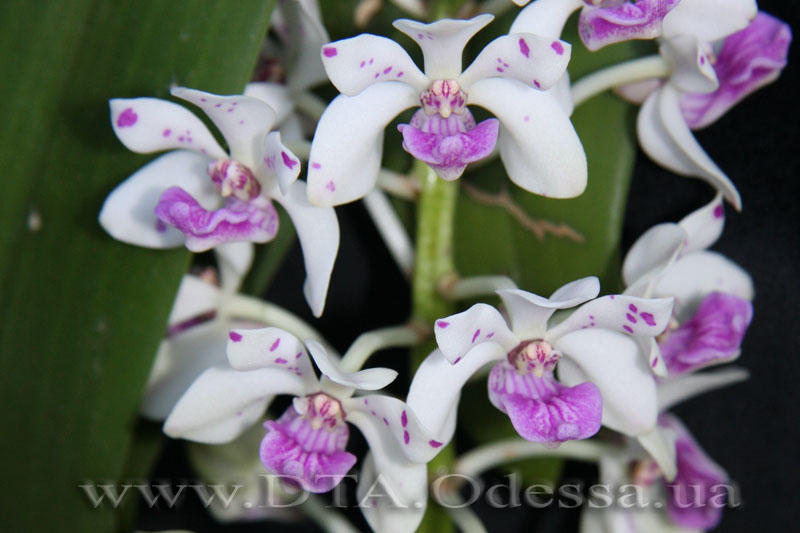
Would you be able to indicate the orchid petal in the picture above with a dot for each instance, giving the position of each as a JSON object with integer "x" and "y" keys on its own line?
{"x": 543, "y": 410}
{"x": 393, "y": 497}
{"x": 672, "y": 391}
{"x": 147, "y": 125}
{"x": 709, "y": 20}
{"x": 535, "y": 61}
{"x": 650, "y": 255}
{"x": 394, "y": 420}
{"x": 545, "y": 17}
{"x": 695, "y": 275}
{"x": 692, "y": 69}
{"x": 638, "y": 317}
{"x": 369, "y": 379}
{"x": 128, "y": 213}
{"x": 436, "y": 387}
{"x": 181, "y": 358}
{"x": 275, "y": 95}
{"x": 233, "y": 260}
{"x": 749, "y": 59}
{"x": 649, "y": 348}
{"x": 696, "y": 473}
{"x": 457, "y": 334}
{"x": 666, "y": 138}
{"x": 612, "y": 362}
{"x": 443, "y": 42}
{"x": 704, "y": 226}
{"x": 195, "y": 297}
{"x": 223, "y": 402}
{"x": 530, "y": 312}
{"x": 359, "y": 62}
{"x": 308, "y": 35}
{"x": 249, "y": 349}
{"x": 600, "y": 26}
{"x": 538, "y": 145}
{"x": 253, "y": 221}
{"x": 278, "y": 161}
{"x": 242, "y": 120}
{"x": 660, "y": 445}
{"x": 343, "y": 168}
{"x": 318, "y": 232}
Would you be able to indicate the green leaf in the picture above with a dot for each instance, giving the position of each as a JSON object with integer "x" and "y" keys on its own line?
{"x": 81, "y": 315}
{"x": 498, "y": 240}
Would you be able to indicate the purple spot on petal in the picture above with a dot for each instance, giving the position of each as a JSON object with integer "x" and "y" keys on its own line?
{"x": 406, "y": 437}
{"x": 499, "y": 69}
{"x": 404, "y": 419}
{"x": 166, "y": 132}
{"x": 218, "y": 105}
{"x": 648, "y": 318}
{"x": 235, "y": 337}
{"x": 316, "y": 165}
{"x": 127, "y": 118}
{"x": 331, "y": 186}
{"x": 627, "y": 328}
{"x": 362, "y": 64}
{"x": 442, "y": 324}
{"x": 526, "y": 118}
{"x": 329, "y": 51}
{"x": 457, "y": 360}
{"x": 719, "y": 211}
{"x": 387, "y": 70}
{"x": 490, "y": 335}
{"x": 377, "y": 74}
{"x": 612, "y": 296}
{"x": 475, "y": 335}
{"x": 299, "y": 355}
{"x": 633, "y": 308}
{"x": 203, "y": 100}
{"x": 537, "y": 84}
{"x": 655, "y": 362}
{"x": 630, "y": 318}
{"x": 160, "y": 226}
{"x": 281, "y": 361}
{"x": 702, "y": 60}
{"x": 558, "y": 47}
{"x": 275, "y": 345}
{"x": 523, "y": 48}
{"x": 288, "y": 161}
{"x": 434, "y": 443}
{"x": 385, "y": 421}
{"x": 400, "y": 74}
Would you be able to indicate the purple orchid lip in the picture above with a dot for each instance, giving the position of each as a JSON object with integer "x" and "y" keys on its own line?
{"x": 713, "y": 335}
{"x": 543, "y": 410}
{"x": 253, "y": 221}
{"x": 449, "y": 144}
{"x": 607, "y": 22}
{"x": 305, "y": 453}
{"x": 692, "y": 500}
{"x": 748, "y": 60}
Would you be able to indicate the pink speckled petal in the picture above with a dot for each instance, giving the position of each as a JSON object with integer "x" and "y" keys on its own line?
{"x": 443, "y": 42}
{"x": 275, "y": 95}
{"x": 277, "y": 163}
{"x": 600, "y": 26}
{"x": 223, "y": 402}
{"x": 128, "y": 214}
{"x": 254, "y": 221}
{"x": 629, "y": 315}
{"x": 457, "y": 334}
{"x": 545, "y": 17}
{"x": 538, "y": 145}
{"x": 689, "y": 501}
{"x": 391, "y": 424}
{"x": 613, "y": 363}
{"x": 348, "y": 144}
{"x": 243, "y": 121}
{"x": 356, "y": 63}
{"x": 249, "y": 349}
{"x": 147, "y": 125}
{"x": 691, "y": 65}
{"x": 704, "y": 226}
{"x": 748, "y": 60}
{"x": 713, "y": 335}
{"x": 530, "y": 312}
{"x": 535, "y": 61}
{"x": 195, "y": 297}
{"x": 449, "y": 155}
{"x": 542, "y": 409}
{"x": 709, "y": 20}
{"x": 312, "y": 458}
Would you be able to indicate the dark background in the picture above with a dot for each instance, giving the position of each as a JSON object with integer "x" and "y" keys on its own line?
{"x": 748, "y": 428}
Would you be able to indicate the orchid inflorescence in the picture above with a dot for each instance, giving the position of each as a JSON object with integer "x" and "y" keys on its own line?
{"x": 559, "y": 367}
